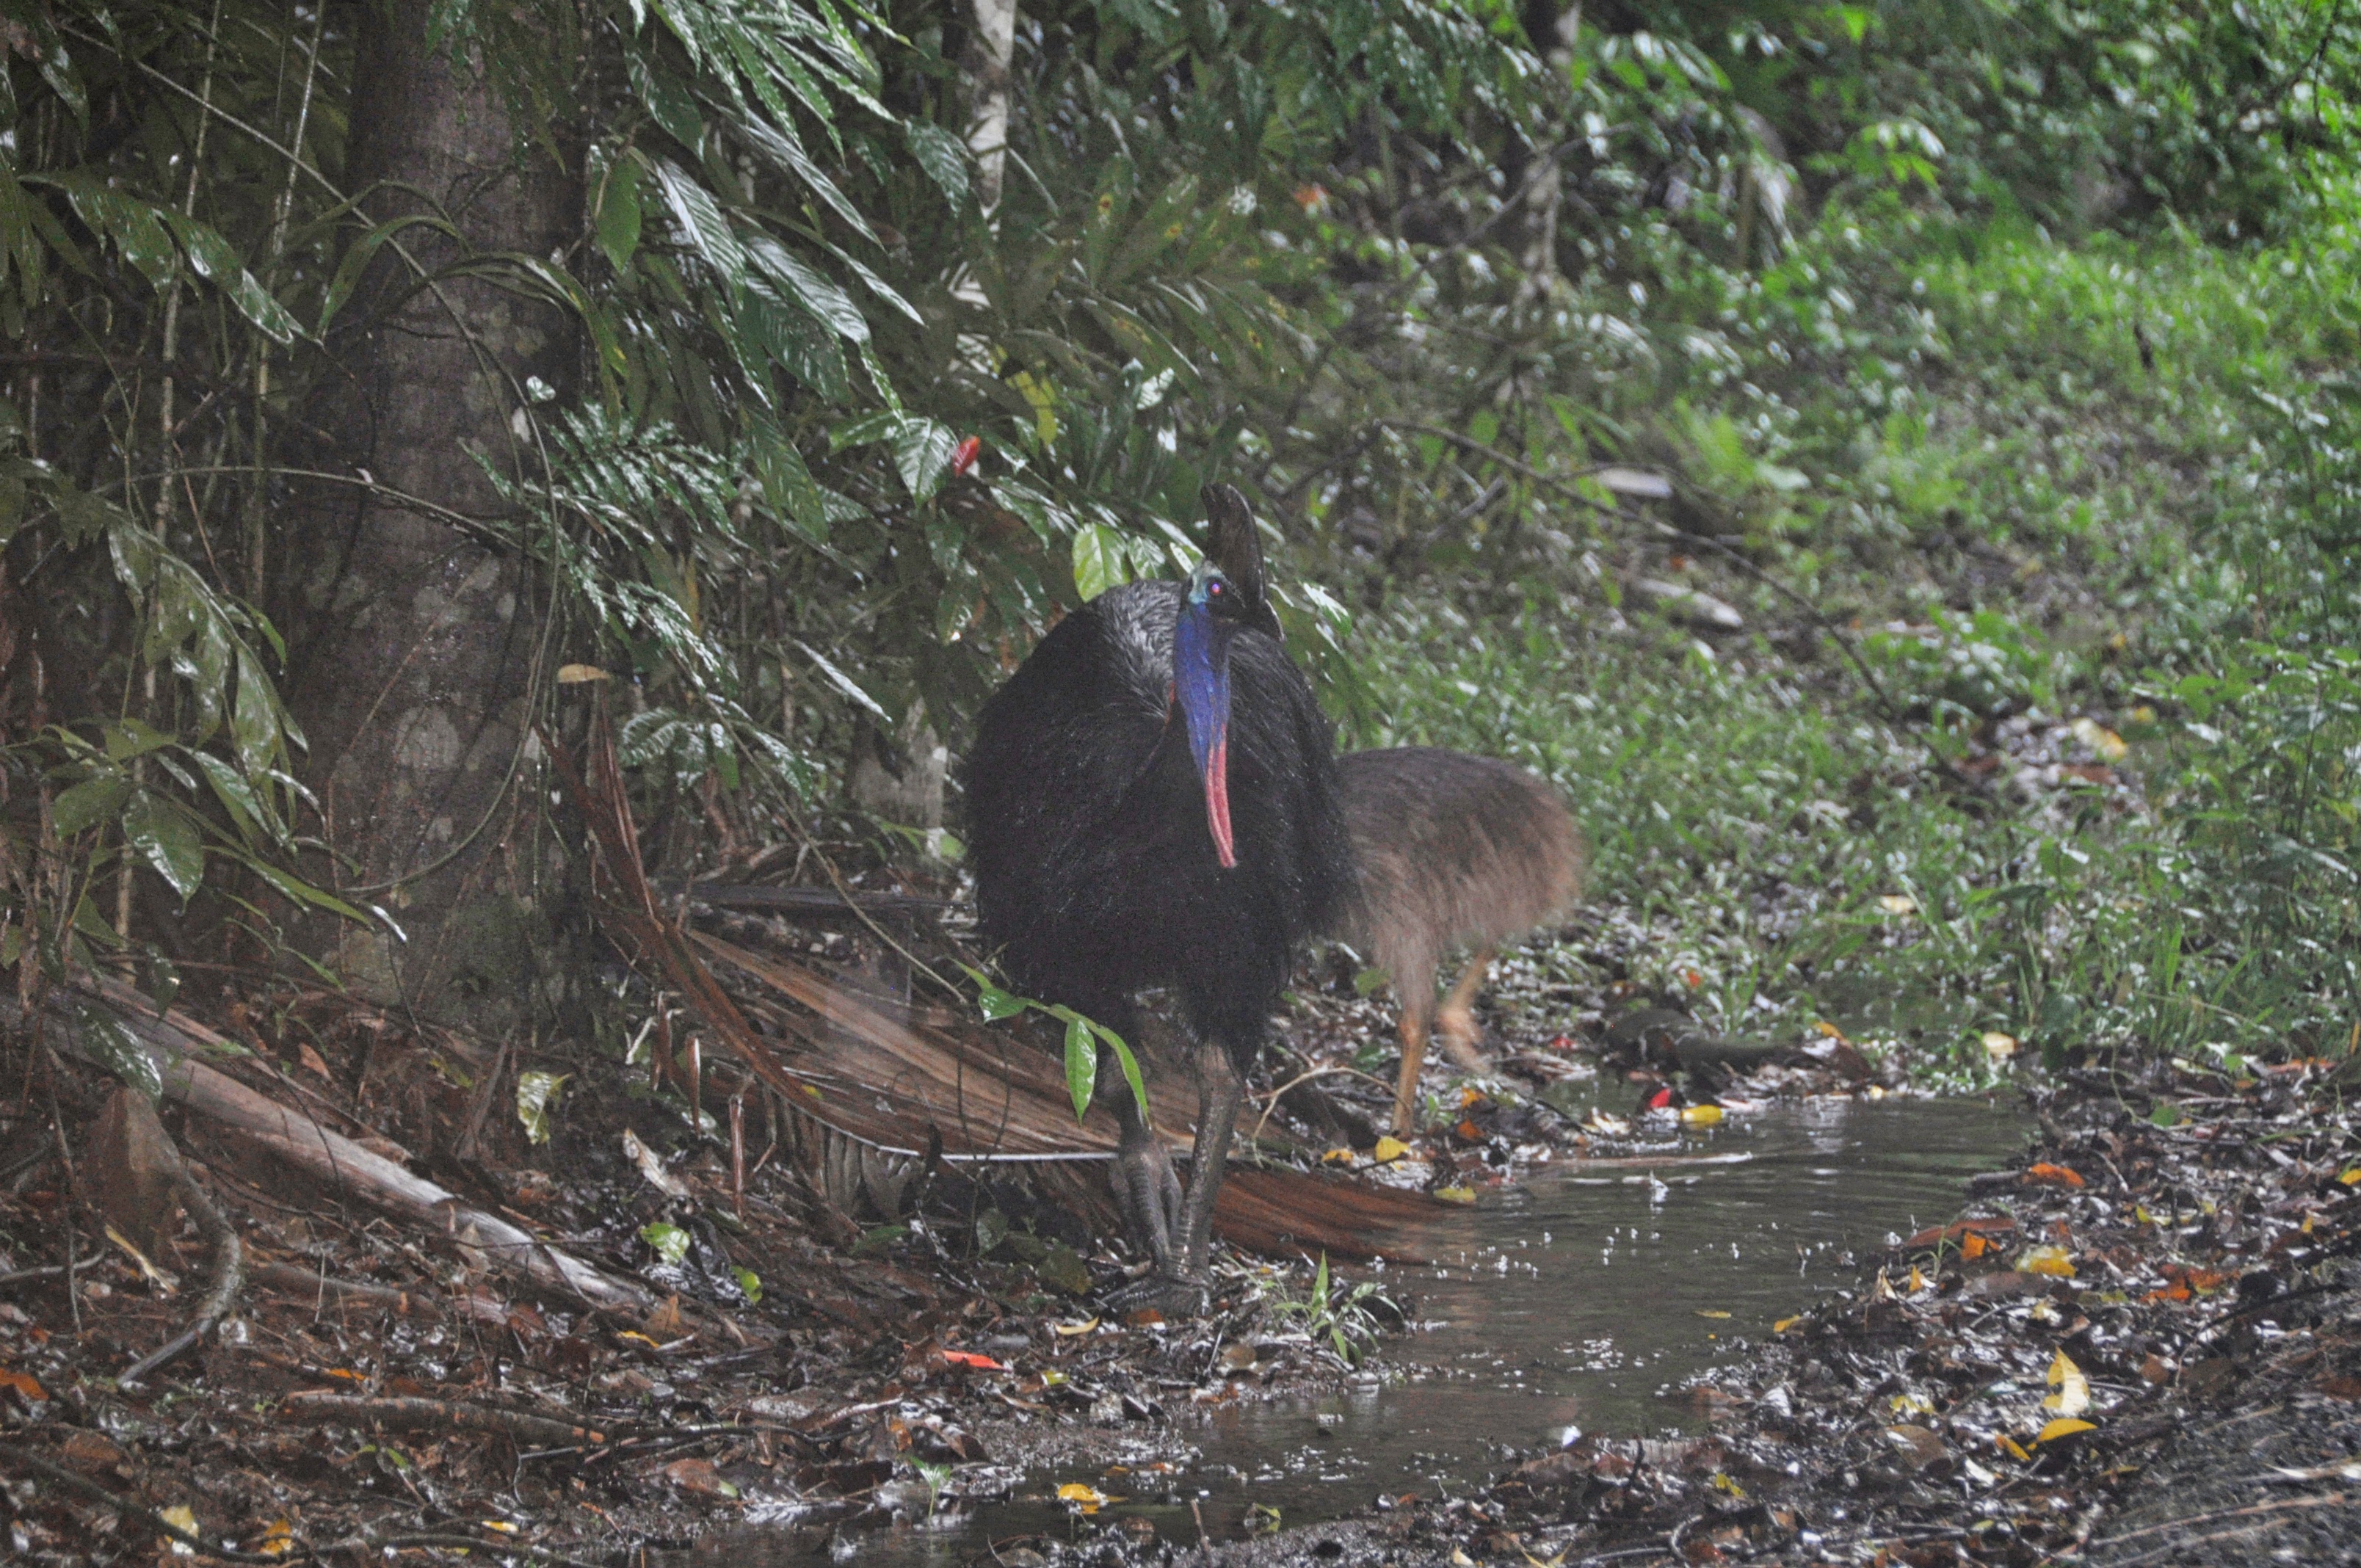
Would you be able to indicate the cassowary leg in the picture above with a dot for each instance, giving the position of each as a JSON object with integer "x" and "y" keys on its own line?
{"x": 1220, "y": 1092}
{"x": 1413, "y": 1044}
{"x": 1457, "y": 1019}
{"x": 1147, "y": 1189}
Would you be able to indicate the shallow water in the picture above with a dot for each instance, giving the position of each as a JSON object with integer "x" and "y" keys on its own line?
{"x": 1577, "y": 1299}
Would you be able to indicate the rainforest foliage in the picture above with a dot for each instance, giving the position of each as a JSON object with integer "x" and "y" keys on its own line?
{"x": 1978, "y": 364}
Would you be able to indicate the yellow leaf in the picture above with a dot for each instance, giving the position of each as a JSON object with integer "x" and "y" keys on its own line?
{"x": 1917, "y": 1280}
{"x": 1898, "y": 904}
{"x": 1700, "y": 1115}
{"x": 1070, "y": 1330}
{"x": 2140, "y": 1213}
{"x": 1470, "y": 1096}
{"x": 2063, "y": 1428}
{"x": 278, "y": 1539}
{"x": 501, "y": 1525}
{"x": 1051, "y": 1377}
{"x": 2052, "y": 1261}
{"x": 1337, "y": 1156}
{"x": 638, "y": 1338}
{"x": 2349, "y": 1177}
{"x": 2103, "y": 743}
{"x": 2010, "y": 1446}
{"x": 1456, "y": 1194}
{"x": 580, "y": 674}
{"x": 2073, "y": 1396}
{"x": 1784, "y": 1324}
{"x": 1830, "y": 1030}
{"x": 180, "y": 1516}
{"x": 1706, "y": 1312}
{"x": 1999, "y": 1047}
{"x": 1085, "y": 1496}
{"x": 1389, "y": 1149}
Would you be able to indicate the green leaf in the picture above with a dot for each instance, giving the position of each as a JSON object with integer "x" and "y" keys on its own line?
{"x": 809, "y": 287}
{"x": 214, "y": 261}
{"x": 922, "y": 455}
{"x": 788, "y": 481}
{"x": 941, "y": 155}
{"x": 1126, "y": 1060}
{"x": 167, "y": 840}
{"x": 537, "y": 1094}
{"x": 618, "y": 214}
{"x": 304, "y": 893}
{"x": 701, "y": 219}
{"x": 109, "y": 1041}
{"x": 1102, "y": 560}
{"x": 357, "y": 260}
{"x": 1081, "y": 1065}
{"x": 997, "y": 1004}
{"x": 750, "y": 1282}
{"x": 87, "y": 803}
{"x": 245, "y": 809}
{"x": 670, "y": 1242}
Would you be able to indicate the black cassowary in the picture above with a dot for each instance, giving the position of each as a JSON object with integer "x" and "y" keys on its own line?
{"x": 1152, "y": 801}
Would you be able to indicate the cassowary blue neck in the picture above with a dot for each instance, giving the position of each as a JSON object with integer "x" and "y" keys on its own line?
{"x": 1201, "y": 684}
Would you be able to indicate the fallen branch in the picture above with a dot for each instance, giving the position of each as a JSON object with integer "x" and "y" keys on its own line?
{"x": 295, "y": 1277}
{"x": 417, "y": 1414}
{"x": 149, "y": 1517}
{"x": 229, "y": 1277}
{"x": 170, "y": 1039}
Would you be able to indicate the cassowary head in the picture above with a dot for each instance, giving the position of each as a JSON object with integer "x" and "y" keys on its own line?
{"x": 1224, "y": 597}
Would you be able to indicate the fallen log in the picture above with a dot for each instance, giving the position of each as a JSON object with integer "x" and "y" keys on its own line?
{"x": 415, "y": 1413}
{"x": 170, "y": 1041}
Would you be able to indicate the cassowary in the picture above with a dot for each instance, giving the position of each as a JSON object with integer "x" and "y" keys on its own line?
{"x": 1152, "y": 801}
{"x": 1453, "y": 851}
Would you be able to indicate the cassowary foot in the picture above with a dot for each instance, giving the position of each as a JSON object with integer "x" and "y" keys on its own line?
{"x": 1462, "y": 1040}
{"x": 1166, "y": 1294}
{"x": 1147, "y": 1195}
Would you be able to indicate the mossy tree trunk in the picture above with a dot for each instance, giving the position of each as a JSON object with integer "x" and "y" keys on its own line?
{"x": 420, "y": 639}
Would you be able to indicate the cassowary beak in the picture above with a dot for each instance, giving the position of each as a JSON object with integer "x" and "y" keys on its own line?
{"x": 1201, "y": 684}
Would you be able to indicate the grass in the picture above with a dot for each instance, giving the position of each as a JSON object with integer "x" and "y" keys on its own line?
{"x": 2110, "y": 482}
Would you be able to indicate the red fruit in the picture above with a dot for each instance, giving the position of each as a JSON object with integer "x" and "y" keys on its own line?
{"x": 964, "y": 457}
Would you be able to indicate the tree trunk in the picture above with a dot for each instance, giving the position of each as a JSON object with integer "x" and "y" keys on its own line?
{"x": 989, "y": 50}
{"x": 416, "y": 641}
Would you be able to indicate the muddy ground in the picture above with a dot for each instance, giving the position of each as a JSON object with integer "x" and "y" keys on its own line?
{"x": 2135, "y": 1348}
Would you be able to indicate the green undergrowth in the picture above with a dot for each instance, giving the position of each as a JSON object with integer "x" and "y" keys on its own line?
{"x": 2038, "y": 482}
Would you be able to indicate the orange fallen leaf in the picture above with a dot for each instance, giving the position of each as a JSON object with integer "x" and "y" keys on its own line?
{"x": 971, "y": 1358}
{"x": 2056, "y": 1175}
{"x": 23, "y": 1382}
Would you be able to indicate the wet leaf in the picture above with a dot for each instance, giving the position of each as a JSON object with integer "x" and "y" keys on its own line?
{"x": 2063, "y": 1427}
{"x": 975, "y": 1361}
{"x": 1784, "y": 1324}
{"x": 2073, "y": 1395}
{"x": 580, "y": 674}
{"x": 1101, "y": 561}
{"x": 1456, "y": 1194}
{"x": 536, "y": 1092}
{"x": 2011, "y": 1447}
{"x": 670, "y": 1242}
{"x": 2103, "y": 743}
{"x": 2055, "y": 1175}
{"x": 1082, "y": 1066}
{"x": 699, "y": 1477}
{"x": 23, "y": 1383}
{"x": 750, "y": 1282}
{"x": 2052, "y": 1261}
{"x": 1389, "y": 1149}
{"x": 1999, "y": 1047}
{"x": 1898, "y": 904}
{"x": 1337, "y": 1156}
{"x": 110, "y": 1041}
{"x": 180, "y": 1516}
{"x": 277, "y": 1539}
{"x": 1085, "y": 1498}
{"x": 1711, "y": 1312}
{"x": 1075, "y": 1330}
{"x": 1700, "y": 1115}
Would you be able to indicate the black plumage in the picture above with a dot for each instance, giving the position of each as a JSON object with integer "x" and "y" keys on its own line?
{"x": 1098, "y": 875}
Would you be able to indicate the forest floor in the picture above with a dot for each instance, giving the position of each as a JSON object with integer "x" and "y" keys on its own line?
{"x": 2135, "y": 1348}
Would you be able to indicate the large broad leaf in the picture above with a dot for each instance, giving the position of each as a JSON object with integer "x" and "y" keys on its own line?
{"x": 941, "y": 155}
{"x": 158, "y": 834}
{"x": 109, "y": 1041}
{"x": 922, "y": 455}
{"x": 618, "y": 213}
{"x": 1081, "y": 1065}
{"x": 809, "y": 287}
{"x": 702, "y": 220}
{"x": 787, "y": 480}
{"x": 1102, "y": 560}
{"x": 218, "y": 264}
{"x": 87, "y": 803}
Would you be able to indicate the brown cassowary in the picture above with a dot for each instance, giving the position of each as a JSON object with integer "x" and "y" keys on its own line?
{"x": 1152, "y": 802}
{"x": 1453, "y": 851}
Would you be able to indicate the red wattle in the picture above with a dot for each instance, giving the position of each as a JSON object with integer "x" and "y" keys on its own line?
{"x": 1217, "y": 800}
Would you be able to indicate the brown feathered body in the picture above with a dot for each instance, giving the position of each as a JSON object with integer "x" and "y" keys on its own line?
{"x": 1454, "y": 852}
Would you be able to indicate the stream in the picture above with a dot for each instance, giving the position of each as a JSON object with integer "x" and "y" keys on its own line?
{"x": 1577, "y": 1297}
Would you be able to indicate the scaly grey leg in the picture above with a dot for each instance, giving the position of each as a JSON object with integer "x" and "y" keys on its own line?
{"x": 1220, "y": 1092}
